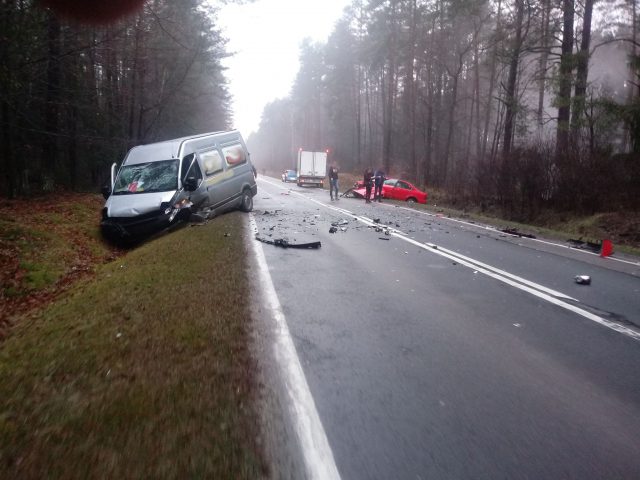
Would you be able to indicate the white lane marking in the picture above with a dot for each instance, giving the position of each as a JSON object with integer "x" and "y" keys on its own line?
{"x": 493, "y": 229}
{"x": 537, "y": 286}
{"x": 318, "y": 457}
{"x": 538, "y": 293}
{"x": 538, "y": 290}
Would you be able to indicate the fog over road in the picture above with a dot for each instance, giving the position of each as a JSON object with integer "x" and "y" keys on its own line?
{"x": 447, "y": 350}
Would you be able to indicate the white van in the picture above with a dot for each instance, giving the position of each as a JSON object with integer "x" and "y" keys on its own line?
{"x": 161, "y": 184}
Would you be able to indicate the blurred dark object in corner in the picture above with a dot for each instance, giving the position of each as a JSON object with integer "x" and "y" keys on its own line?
{"x": 100, "y": 12}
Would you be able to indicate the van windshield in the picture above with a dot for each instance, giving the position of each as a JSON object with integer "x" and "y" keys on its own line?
{"x": 149, "y": 177}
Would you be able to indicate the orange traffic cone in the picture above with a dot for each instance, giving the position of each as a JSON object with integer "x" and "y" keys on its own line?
{"x": 607, "y": 248}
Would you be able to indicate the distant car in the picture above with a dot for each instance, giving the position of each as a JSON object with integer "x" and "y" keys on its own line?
{"x": 289, "y": 176}
{"x": 393, "y": 189}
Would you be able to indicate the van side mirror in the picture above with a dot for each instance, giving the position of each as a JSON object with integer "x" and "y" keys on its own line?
{"x": 106, "y": 191}
{"x": 191, "y": 184}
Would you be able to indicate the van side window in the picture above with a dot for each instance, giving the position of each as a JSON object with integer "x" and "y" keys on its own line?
{"x": 211, "y": 161}
{"x": 194, "y": 171}
{"x": 234, "y": 155}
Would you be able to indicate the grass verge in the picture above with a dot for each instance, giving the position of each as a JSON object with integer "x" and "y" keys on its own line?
{"x": 142, "y": 372}
{"x": 47, "y": 244}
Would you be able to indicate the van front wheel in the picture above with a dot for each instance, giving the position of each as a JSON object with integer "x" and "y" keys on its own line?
{"x": 247, "y": 201}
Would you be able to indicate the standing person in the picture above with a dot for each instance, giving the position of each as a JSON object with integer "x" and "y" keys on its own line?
{"x": 333, "y": 180}
{"x": 379, "y": 179}
{"x": 368, "y": 183}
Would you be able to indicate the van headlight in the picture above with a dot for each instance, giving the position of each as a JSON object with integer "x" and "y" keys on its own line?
{"x": 167, "y": 207}
{"x": 184, "y": 203}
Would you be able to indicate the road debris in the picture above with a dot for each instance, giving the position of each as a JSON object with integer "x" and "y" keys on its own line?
{"x": 583, "y": 279}
{"x": 333, "y": 229}
{"x": 516, "y": 232}
{"x": 281, "y": 242}
{"x": 581, "y": 245}
{"x": 340, "y": 223}
{"x": 383, "y": 238}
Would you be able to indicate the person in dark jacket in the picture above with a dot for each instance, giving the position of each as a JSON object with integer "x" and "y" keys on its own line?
{"x": 368, "y": 183}
{"x": 379, "y": 179}
{"x": 333, "y": 180}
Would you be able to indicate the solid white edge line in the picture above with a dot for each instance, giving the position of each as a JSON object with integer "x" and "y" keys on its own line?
{"x": 500, "y": 275}
{"x": 317, "y": 453}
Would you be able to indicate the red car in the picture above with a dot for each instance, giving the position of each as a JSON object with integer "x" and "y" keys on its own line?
{"x": 394, "y": 189}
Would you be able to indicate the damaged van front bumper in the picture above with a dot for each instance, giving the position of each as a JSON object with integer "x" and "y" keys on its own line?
{"x": 130, "y": 230}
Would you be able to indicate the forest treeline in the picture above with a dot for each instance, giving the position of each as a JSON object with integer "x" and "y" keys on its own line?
{"x": 74, "y": 98}
{"x": 520, "y": 104}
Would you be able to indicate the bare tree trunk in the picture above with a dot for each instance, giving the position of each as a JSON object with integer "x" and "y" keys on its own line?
{"x": 544, "y": 56}
{"x": 470, "y": 125}
{"x": 52, "y": 96}
{"x": 492, "y": 82}
{"x": 634, "y": 49}
{"x": 632, "y": 71}
{"x": 564, "y": 88}
{"x": 452, "y": 121}
{"x": 389, "y": 101}
{"x": 133, "y": 84}
{"x": 428, "y": 148}
{"x": 510, "y": 97}
{"x": 582, "y": 71}
{"x": 436, "y": 100}
{"x": 358, "y": 117}
{"x": 412, "y": 94}
{"x": 369, "y": 121}
{"x": 476, "y": 79}
{"x": 7, "y": 165}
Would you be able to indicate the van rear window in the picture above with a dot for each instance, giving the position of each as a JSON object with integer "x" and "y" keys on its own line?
{"x": 234, "y": 155}
{"x": 148, "y": 177}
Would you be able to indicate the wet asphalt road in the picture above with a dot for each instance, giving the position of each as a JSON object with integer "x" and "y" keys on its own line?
{"x": 424, "y": 368}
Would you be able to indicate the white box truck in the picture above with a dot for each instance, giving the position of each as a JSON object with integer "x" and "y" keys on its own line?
{"x": 312, "y": 168}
